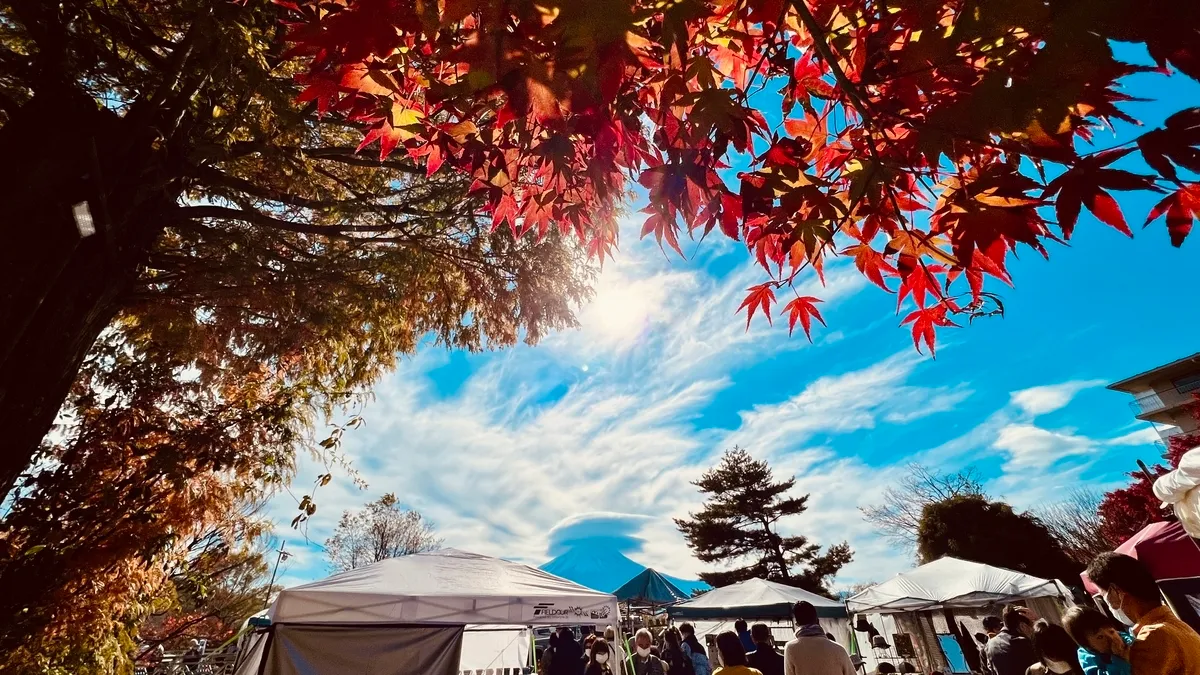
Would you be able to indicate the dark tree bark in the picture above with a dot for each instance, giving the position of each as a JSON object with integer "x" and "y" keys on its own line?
{"x": 65, "y": 160}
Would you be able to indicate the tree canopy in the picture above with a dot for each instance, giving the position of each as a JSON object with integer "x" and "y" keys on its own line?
{"x": 925, "y": 140}
{"x": 899, "y": 516}
{"x": 740, "y": 523}
{"x": 247, "y": 275}
{"x": 973, "y": 528}
{"x": 381, "y": 530}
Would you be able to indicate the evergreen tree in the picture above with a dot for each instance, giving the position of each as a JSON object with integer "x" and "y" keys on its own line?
{"x": 739, "y": 522}
{"x": 972, "y": 528}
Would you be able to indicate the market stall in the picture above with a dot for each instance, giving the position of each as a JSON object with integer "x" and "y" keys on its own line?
{"x": 939, "y": 607}
{"x": 433, "y": 613}
{"x": 760, "y": 601}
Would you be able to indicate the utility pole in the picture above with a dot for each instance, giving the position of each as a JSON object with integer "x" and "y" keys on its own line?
{"x": 283, "y": 555}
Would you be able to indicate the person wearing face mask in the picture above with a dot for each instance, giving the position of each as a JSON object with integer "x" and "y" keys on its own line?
{"x": 644, "y": 660}
{"x": 600, "y": 659}
{"x": 1103, "y": 646}
{"x": 616, "y": 655}
{"x": 732, "y": 655}
{"x": 1010, "y": 651}
{"x": 1056, "y": 651}
{"x": 1162, "y": 644}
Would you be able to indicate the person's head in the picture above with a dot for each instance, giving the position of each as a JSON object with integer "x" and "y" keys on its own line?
{"x": 992, "y": 624}
{"x": 761, "y": 634}
{"x": 1129, "y": 588}
{"x": 643, "y": 640}
{"x": 804, "y": 613}
{"x": 1091, "y": 629}
{"x": 687, "y": 630}
{"x": 1017, "y": 622}
{"x": 610, "y": 634}
{"x": 730, "y": 649}
{"x": 885, "y": 668}
{"x": 739, "y": 626}
{"x": 598, "y": 651}
{"x": 1055, "y": 648}
{"x": 672, "y": 638}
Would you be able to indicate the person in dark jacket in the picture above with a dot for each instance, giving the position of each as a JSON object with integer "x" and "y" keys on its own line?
{"x": 743, "y": 633}
{"x": 678, "y": 662}
{"x": 1011, "y": 652}
{"x": 567, "y": 658}
{"x": 765, "y": 658}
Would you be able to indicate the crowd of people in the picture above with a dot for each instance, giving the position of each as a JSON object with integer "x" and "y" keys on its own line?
{"x": 1144, "y": 638}
{"x": 746, "y": 650}
{"x": 1141, "y": 637}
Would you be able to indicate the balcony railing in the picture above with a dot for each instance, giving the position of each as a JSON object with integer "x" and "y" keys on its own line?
{"x": 1163, "y": 399}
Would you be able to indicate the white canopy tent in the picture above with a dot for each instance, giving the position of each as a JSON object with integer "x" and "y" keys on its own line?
{"x": 753, "y": 599}
{"x": 939, "y": 606}
{"x": 953, "y": 583}
{"x": 759, "y": 600}
{"x": 406, "y": 616}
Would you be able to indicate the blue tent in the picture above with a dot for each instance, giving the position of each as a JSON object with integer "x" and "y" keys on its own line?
{"x": 649, "y": 588}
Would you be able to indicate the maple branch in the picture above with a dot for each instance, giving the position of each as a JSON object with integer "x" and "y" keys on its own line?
{"x": 217, "y": 177}
{"x": 817, "y": 31}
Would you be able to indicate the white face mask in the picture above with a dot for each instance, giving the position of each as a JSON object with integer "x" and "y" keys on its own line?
{"x": 602, "y": 658}
{"x": 1116, "y": 610}
{"x": 643, "y": 652}
{"x": 1058, "y": 666}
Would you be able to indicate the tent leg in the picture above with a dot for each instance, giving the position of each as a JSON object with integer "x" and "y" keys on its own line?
{"x": 262, "y": 665}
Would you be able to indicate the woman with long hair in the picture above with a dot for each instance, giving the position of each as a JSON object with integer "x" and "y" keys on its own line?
{"x": 599, "y": 658}
{"x": 1056, "y": 651}
{"x": 732, "y": 655}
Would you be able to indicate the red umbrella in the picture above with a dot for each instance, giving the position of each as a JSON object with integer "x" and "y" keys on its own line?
{"x": 1164, "y": 548}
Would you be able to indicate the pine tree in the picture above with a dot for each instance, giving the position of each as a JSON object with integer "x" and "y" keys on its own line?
{"x": 739, "y": 522}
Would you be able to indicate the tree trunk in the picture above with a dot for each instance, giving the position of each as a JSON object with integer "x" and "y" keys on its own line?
{"x": 82, "y": 197}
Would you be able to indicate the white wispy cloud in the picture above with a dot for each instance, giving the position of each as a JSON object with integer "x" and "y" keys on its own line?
{"x": 1049, "y": 398}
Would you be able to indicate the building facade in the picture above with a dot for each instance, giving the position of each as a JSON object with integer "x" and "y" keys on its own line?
{"x": 1166, "y": 396}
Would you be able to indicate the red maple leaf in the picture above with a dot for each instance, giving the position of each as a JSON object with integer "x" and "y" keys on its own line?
{"x": 1182, "y": 208}
{"x": 804, "y": 310}
{"x": 758, "y": 297}
{"x": 923, "y": 323}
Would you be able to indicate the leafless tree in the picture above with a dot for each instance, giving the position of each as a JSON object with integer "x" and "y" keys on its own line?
{"x": 381, "y": 530}
{"x": 1075, "y": 523}
{"x": 899, "y": 516}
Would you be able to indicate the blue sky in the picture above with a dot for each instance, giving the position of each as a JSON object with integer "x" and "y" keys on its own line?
{"x": 592, "y": 437}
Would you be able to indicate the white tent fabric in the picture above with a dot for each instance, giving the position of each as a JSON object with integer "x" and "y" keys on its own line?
{"x": 494, "y": 648}
{"x": 447, "y": 586}
{"x": 753, "y": 599}
{"x": 444, "y": 588}
{"x": 951, "y": 582}
{"x": 1178, "y": 488}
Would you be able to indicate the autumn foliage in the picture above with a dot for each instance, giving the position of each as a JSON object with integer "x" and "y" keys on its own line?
{"x": 928, "y": 141}
{"x": 1125, "y": 511}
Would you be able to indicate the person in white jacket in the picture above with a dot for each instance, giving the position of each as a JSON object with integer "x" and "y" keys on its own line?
{"x": 616, "y": 659}
{"x": 811, "y": 652}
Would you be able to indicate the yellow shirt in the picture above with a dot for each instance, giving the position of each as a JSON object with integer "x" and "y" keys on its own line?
{"x": 1164, "y": 645}
{"x": 736, "y": 670}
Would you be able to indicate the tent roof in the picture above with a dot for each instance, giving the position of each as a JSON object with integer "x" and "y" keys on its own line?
{"x": 951, "y": 582}
{"x": 447, "y": 586}
{"x": 648, "y": 586}
{"x": 1164, "y": 548}
{"x": 753, "y": 599}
